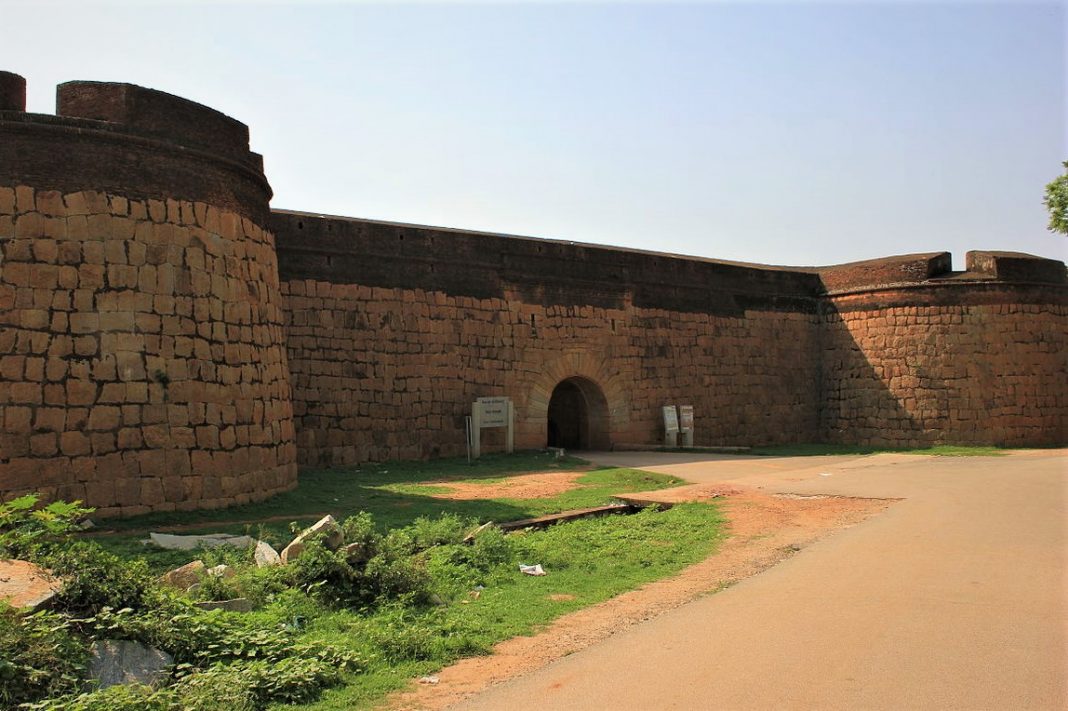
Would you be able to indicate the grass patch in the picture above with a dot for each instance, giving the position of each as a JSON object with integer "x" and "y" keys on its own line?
{"x": 816, "y": 450}
{"x": 394, "y": 493}
{"x": 354, "y": 488}
{"x": 423, "y": 601}
{"x": 592, "y": 560}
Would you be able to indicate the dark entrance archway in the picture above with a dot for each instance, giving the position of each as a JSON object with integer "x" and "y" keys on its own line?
{"x": 578, "y": 415}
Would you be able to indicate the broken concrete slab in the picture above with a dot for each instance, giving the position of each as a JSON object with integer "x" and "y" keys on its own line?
{"x": 237, "y": 604}
{"x": 174, "y": 542}
{"x": 564, "y": 516}
{"x": 357, "y": 552}
{"x": 640, "y": 501}
{"x": 125, "y": 662}
{"x": 265, "y": 555}
{"x": 26, "y": 585}
{"x": 326, "y": 528}
{"x": 186, "y": 576}
{"x": 470, "y": 537}
{"x": 222, "y": 571}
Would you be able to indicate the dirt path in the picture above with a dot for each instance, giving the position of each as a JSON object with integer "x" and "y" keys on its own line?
{"x": 764, "y": 529}
{"x": 539, "y": 485}
{"x": 952, "y": 598}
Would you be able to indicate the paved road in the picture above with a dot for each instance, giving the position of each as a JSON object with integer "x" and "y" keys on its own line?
{"x": 954, "y": 598}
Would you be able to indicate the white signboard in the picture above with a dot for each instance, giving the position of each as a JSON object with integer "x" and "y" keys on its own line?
{"x": 685, "y": 418}
{"x": 671, "y": 420}
{"x": 494, "y": 411}
{"x": 491, "y": 412}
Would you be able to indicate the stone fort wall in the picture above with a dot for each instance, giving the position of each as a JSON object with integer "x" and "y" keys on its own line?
{"x": 142, "y": 363}
{"x": 394, "y": 330}
{"x": 168, "y": 342}
{"x": 974, "y": 358}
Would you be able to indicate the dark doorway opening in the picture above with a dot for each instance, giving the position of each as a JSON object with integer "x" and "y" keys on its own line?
{"x": 578, "y": 416}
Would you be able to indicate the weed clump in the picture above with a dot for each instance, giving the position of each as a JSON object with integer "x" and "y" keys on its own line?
{"x": 40, "y": 656}
{"x": 372, "y": 569}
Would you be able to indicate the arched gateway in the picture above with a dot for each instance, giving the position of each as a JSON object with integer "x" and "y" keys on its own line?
{"x": 578, "y": 415}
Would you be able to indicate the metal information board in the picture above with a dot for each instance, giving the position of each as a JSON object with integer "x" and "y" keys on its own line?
{"x": 671, "y": 426}
{"x": 686, "y": 425}
{"x": 685, "y": 418}
{"x": 494, "y": 411}
{"x": 671, "y": 419}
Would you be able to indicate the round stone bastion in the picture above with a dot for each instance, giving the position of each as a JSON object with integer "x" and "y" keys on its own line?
{"x": 142, "y": 360}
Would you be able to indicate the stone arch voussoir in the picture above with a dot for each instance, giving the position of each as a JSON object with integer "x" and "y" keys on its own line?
{"x": 577, "y": 364}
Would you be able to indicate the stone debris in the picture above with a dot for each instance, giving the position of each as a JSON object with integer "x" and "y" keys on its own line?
{"x": 470, "y": 537}
{"x": 186, "y": 576}
{"x": 265, "y": 555}
{"x": 189, "y": 543}
{"x": 356, "y": 552}
{"x": 326, "y": 527}
{"x": 125, "y": 662}
{"x": 238, "y": 604}
{"x": 26, "y": 586}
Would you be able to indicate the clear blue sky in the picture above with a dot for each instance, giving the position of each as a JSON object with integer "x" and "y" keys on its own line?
{"x": 797, "y": 133}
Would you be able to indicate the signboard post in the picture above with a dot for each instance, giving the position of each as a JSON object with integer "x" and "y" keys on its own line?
{"x": 686, "y": 424}
{"x": 671, "y": 426}
{"x": 492, "y": 412}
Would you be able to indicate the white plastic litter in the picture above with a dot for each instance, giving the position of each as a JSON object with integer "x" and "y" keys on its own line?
{"x": 428, "y": 680}
{"x": 531, "y": 569}
{"x": 825, "y": 474}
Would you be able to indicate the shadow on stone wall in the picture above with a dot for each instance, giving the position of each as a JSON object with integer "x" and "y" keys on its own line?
{"x": 941, "y": 365}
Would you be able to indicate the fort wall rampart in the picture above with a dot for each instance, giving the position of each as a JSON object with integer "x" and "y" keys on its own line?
{"x": 405, "y": 326}
{"x": 168, "y": 342}
{"x": 962, "y": 363}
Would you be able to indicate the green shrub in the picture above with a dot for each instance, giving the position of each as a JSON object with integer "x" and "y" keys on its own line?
{"x": 390, "y": 577}
{"x": 391, "y": 572}
{"x": 255, "y": 684}
{"x": 490, "y": 549}
{"x": 263, "y": 585}
{"x": 39, "y": 656}
{"x": 225, "y": 555}
{"x": 121, "y": 697}
{"x": 327, "y": 574}
{"x": 259, "y": 585}
{"x": 198, "y": 639}
{"x": 425, "y": 533}
{"x": 399, "y": 635}
{"x": 221, "y": 688}
{"x": 93, "y": 579}
{"x": 216, "y": 587}
{"x": 25, "y": 527}
{"x": 360, "y": 528}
